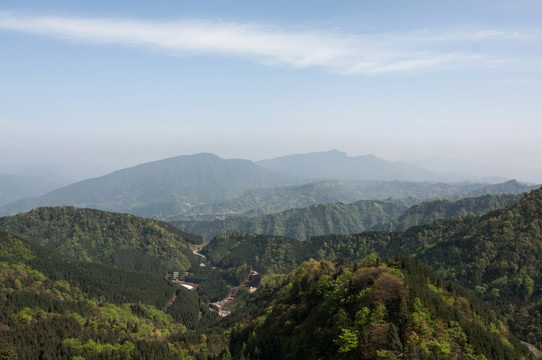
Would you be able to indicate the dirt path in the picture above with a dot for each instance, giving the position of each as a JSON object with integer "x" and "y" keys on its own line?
{"x": 196, "y": 252}
{"x": 249, "y": 282}
{"x": 170, "y": 302}
{"x": 531, "y": 349}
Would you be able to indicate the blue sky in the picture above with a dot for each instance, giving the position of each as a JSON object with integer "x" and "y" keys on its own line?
{"x": 101, "y": 85}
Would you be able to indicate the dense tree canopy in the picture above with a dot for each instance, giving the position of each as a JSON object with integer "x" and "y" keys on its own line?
{"x": 120, "y": 240}
{"x": 369, "y": 310}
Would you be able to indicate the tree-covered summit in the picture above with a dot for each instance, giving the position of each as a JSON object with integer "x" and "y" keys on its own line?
{"x": 369, "y": 310}
{"x": 122, "y": 240}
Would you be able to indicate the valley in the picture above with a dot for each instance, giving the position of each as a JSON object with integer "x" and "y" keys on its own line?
{"x": 361, "y": 269}
{"x": 270, "y": 180}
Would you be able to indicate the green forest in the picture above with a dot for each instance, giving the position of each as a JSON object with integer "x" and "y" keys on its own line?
{"x": 53, "y": 307}
{"x": 460, "y": 280}
{"x": 339, "y": 218}
{"x": 120, "y": 240}
{"x": 496, "y": 255}
{"x": 277, "y": 199}
{"x": 370, "y": 310}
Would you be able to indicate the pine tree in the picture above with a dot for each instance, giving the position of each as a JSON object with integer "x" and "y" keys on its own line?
{"x": 394, "y": 343}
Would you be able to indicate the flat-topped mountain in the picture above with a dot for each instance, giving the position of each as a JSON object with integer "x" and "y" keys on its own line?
{"x": 165, "y": 187}
{"x": 337, "y": 165}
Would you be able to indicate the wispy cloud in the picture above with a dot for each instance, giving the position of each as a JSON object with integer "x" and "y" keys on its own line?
{"x": 517, "y": 81}
{"x": 342, "y": 53}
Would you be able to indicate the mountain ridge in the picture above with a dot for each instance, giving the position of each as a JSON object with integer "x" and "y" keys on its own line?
{"x": 122, "y": 240}
{"x": 274, "y": 200}
{"x": 162, "y": 187}
{"x": 318, "y": 219}
{"x": 497, "y": 255}
{"x": 340, "y": 218}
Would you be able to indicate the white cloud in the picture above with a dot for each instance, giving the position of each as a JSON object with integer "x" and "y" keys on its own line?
{"x": 348, "y": 54}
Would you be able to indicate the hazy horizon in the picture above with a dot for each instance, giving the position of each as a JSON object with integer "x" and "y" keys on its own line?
{"x": 95, "y": 87}
{"x": 65, "y": 173}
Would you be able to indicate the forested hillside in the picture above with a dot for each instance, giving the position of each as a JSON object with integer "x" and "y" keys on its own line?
{"x": 339, "y": 218}
{"x": 303, "y": 223}
{"x": 368, "y": 310}
{"x": 54, "y": 308}
{"x": 274, "y": 200}
{"x": 497, "y": 254}
{"x": 428, "y": 211}
{"x": 263, "y": 253}
{"x": 120, "y": 240}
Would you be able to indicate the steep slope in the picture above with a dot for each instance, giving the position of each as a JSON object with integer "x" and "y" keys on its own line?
{"x": 116, "y": 286}
{"x": 337, "y": 165}
{"x": 320, "y": 219}
{"x": 497, "y": 255}
{"x": 274, "y": 200}
{"x": 164, "y": 187}
{"x": 15, "y": 187}
{"x": 120, "y": 240}
{"x": 367, "y": 310}
{"x": 54, "y": 308}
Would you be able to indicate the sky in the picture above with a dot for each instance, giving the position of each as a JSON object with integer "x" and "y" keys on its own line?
{"x": 88, "y": 87}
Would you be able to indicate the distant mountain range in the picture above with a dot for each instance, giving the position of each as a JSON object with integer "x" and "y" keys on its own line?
{"x": 274, "y": 200}
{"x": 195, "y": 184}
{"x": 360, "y": 298}
{"x": 164, "y": 187}
{"x": 334, "y": 164}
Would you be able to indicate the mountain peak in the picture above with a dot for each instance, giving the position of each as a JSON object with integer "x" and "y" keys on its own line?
{"x": 164, "y": 187}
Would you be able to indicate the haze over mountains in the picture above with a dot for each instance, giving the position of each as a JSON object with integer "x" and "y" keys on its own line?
{"x": 14, "y": 187}
{"x": 335, "y": 164}
{"x": 165, "y": 187}
{"x": 171, "y": 192}
{"x": 176, "y": 185}
{"x": 64, "y": 269}
{"x": 273, "y": 200}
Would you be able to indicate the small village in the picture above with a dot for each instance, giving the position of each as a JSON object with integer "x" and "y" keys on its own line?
{"x": 250, "y": 283}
